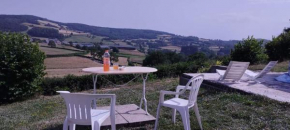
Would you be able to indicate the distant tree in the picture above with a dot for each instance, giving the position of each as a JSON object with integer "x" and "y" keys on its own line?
{"x": 279, "y": 47}
{"x": 158, "y": 57}
{"x": 21, "y": 67}
{"x": 188, "y": 50}
{"x": 45, "y": 32}
{"x": 97, "y": 53}
{"x": 84, "y": 48}
{"x": 249, "y": 50}
{"x": 78, "y": 46}
{"x": 70, "y": 43}
{"x": 154, "y": 58}
{"x": 115, "y": 49}
{"x": 51, "y": 43}
{"x": 199, "y": 56}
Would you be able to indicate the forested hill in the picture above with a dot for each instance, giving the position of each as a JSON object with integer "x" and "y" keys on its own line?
{"x": 22, "y": 23}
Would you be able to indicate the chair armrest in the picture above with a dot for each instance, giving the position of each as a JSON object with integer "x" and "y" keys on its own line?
{"x": 112, "y": 104}
{"x": 163, "y": 93}
{"x": 178, "y": 88}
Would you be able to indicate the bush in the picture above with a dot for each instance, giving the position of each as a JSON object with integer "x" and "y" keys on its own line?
{"x": 21, "y": 67}
{"x": 79, "y": 83}
{"x": 173, "y": 70}
{"x": 249, "y": 50}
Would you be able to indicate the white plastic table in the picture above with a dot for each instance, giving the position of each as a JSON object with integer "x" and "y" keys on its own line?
{"x": 143, "y": 71}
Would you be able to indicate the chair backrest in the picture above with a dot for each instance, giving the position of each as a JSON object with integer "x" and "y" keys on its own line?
{"x": 79, "y": 106}
{"x": 267, "y": 69}
{"x": 235, "y": 70}
{"x": 193, "y": 85}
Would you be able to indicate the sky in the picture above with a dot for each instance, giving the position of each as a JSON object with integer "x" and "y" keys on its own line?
{"x": 213, "y": 19}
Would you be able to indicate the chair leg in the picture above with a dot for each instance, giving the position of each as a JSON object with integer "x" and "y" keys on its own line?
{"x": 195, "y": 108}
{"x": 157, "y": 116}
{"x": 72, "y": 126}
{"x": 113, "y": 122}
{"x": 174, "y": 115}
{"x": 184, "y": 117}
{"x": 96, "y": 125}
{"x": 65, "y": 125}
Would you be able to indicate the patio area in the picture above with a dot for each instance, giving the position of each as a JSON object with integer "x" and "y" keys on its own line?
{"x": 268, "y": 87}
{"x": 128, "y": 115}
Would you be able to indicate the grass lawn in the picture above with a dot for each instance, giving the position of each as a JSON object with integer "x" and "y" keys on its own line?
{"x": 83, "y": 38}
{"x": 219, "y": 110}
{"x": 280, "y": 67}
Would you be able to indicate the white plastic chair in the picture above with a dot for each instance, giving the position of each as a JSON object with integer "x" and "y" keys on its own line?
{"x": 80, "y": 112}
{"x": 234, "y": 72}
{"x": 182, "y": 105}
{"x": 253, "y": 75}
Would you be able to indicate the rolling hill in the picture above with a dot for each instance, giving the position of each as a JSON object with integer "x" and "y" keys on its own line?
{"x": 24, "y": 23}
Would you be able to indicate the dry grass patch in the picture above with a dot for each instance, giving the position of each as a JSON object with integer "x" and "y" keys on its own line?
{"x": 62, "y": 66}
{"x": 69, "y": 63}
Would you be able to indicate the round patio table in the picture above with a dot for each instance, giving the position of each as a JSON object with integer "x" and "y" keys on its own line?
{"x": 143, "y": 71}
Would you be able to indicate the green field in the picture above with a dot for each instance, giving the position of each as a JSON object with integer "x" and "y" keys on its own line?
{"x": 133, "y": 58}
{"x": 57, "y": 51}
{"x": 83, "y": 38}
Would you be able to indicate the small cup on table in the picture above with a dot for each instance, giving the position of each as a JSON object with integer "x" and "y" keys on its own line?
{"x": 115, "y": 66}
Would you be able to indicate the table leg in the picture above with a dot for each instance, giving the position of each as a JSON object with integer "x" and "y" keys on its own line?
{"x": 143, "y": 94}
{"x": 95, "y": 78}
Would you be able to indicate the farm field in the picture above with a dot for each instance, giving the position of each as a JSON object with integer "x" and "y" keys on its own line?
{"x": 56, "y": 51}
{"x": 62, "y": 66}
{"x": 58, "y": 46}
{"x": 135, "y": 56}
{"x": 172, "y": 48}
{"x": 120, "y": 42}
{"x": 131, "y": 52}
{"x": 83, "y": 38}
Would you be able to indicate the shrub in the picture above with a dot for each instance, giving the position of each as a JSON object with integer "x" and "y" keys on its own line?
{"x": 249, "y": 50}
{"x": 173, "y": 70}
{"x": 79, "y": 83}
{"x": 21, "y": 67}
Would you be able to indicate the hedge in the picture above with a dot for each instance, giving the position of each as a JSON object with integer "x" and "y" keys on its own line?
{"x": 79, "y": 83}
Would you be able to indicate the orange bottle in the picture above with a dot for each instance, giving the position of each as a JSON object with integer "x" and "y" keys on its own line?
{"x": 106, "y": 60}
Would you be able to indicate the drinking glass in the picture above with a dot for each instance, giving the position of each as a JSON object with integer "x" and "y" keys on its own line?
{"x": 115, "y": 66}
